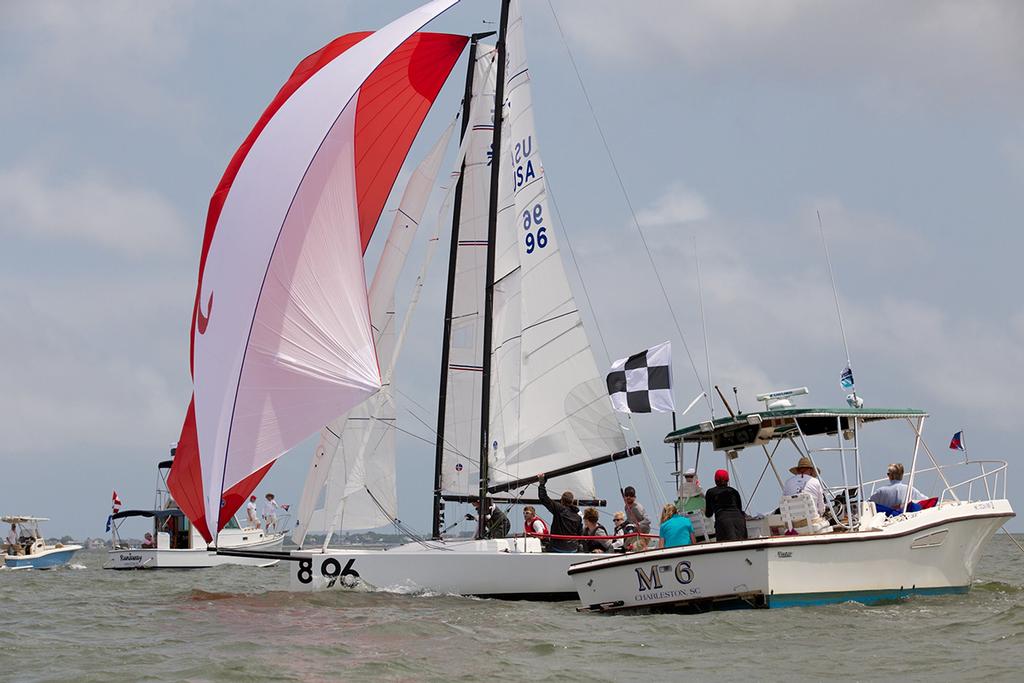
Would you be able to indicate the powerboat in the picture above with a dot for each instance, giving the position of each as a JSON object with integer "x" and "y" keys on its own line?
{"x": 174, "y": 543}
{"x": 31, "y": 551}
{"x": 858, "y": 550}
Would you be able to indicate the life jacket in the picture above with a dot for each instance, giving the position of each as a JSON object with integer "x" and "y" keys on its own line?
{"x": 528, "y": 527}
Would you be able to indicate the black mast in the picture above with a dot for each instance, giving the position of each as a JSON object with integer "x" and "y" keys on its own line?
{"x": 442, "y": 394}
{"x": 492, "y": 229}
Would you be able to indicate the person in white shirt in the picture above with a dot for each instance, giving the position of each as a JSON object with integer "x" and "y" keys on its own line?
{"x": 13, "y": 547}
{"x": 250, "y": 513}
{"x": 805, "y": 478}
{"x": 270, "y": 512}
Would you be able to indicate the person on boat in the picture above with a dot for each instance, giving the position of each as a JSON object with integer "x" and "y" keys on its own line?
{"x": 675, "y": 529}
{"x": 691, "y": 497}
{"x": 723, "y": 501}
{"x": 805, "y": 478}
{"x": 592, "y": 527}
{"x": 13, "y": 543}
{"x": 894, "y": 495}
{"x": 496, "y": 524}
{"x": 148, "y": 541}
{"x": 623, "y": 528}
{"x": 565, "y": 519}
{"x": 635, "y": 512}
{"x": 250, "y": 513}
{"x": 534, "y": 525}
{"x": 270, "y": 509}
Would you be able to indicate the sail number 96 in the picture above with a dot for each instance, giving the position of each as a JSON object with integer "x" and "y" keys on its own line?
{"x": 534, "y": 218}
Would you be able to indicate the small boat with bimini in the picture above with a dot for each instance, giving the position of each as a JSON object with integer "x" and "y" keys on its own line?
{"x": 174, "y": 543}
{"x": 25, "y": 547}
{"x": 857, "y": 550}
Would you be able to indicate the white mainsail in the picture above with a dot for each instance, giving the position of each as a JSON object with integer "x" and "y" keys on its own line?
{"x": 345, "y": 439}
{"x": 549, "y": 406}
{"x": 460, "y": 469}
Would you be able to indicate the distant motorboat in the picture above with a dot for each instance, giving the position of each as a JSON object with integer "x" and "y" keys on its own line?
{"x": 176, "y": 544}
{"x": 31, "y": 551}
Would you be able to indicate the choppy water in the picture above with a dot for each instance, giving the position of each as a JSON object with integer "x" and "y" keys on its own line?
{"x": 235, "y": 623}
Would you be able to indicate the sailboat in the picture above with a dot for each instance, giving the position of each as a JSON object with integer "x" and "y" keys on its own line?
{"x": 295, "y": 341}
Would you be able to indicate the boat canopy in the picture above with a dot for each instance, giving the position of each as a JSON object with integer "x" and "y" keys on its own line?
{"x": 22, "y": 519}
{"x": 750, "y": 429}
{"x": 159, "y": 514}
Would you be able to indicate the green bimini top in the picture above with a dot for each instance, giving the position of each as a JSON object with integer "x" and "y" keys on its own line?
{"x": 748, "y": 429}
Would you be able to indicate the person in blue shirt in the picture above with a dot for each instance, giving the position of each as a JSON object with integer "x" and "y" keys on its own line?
{"x": 894, "y": 495}
{"x": 675, "y": 529}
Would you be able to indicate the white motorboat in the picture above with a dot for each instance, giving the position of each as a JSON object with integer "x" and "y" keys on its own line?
{"x": 30, "y": 550}
{"x": 855, "y": 551}
{"x": 175, "y": 542}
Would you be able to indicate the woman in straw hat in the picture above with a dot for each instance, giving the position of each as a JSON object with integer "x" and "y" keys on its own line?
{"x": 805, "y": 478}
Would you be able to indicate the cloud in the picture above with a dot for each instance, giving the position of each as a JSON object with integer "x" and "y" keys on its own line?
{"x": 114, "y": 55}
{"x": 96, "y": 360}
{"x": 92, "y": 209}
{"x": 772, "y": 323}
{"x": 946, "y": 50}
{"x": 676, "y": 206}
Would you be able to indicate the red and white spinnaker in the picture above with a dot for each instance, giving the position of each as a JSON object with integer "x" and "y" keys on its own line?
{"x": 281, "y": 334}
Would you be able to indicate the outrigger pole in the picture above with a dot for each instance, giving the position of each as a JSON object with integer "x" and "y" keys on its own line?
{"x": 442, "y": 394}
{"x": 492, "y": 231}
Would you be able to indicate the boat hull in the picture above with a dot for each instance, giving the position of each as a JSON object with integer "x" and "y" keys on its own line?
{"x": 507, "y": 568}
{"x": 930, "y": 552}
{"x": 199, "y": 558}
{"x": 46, "y": 559}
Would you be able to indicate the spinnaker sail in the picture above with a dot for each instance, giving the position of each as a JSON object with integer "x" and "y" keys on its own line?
{"x": 282, "y": 341}
{"x": 341, "y": 440}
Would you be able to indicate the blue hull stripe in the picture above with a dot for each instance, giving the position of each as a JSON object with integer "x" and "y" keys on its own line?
{"x": 864, "y": 597}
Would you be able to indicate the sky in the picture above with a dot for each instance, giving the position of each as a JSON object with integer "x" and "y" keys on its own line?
{"x": 731, "y": 126}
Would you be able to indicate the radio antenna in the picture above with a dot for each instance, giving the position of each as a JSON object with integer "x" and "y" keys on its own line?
{"x": 703, "y": 323}
{"x": 839, "y": 313}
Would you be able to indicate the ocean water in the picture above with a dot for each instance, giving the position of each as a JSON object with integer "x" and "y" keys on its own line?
{"x": 240, "y": 623}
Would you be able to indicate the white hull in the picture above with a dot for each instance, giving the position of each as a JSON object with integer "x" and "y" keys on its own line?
{"x": 198, "y": 558}
{"x": 932, "y": 551}
{"x": 509, "y": 568}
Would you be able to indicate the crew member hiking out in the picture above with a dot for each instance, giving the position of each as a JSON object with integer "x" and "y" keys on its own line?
{"x": 565, "y": 519}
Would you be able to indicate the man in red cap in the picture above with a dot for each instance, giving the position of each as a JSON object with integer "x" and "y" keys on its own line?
{"x": 723, "y": 501}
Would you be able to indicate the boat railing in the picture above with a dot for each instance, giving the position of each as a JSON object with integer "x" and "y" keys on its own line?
{"x": 993, "y": 481}
{"x": 632, "y": 542}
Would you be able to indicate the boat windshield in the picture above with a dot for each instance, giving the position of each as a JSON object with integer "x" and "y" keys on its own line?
{"x": 232, "y": 524}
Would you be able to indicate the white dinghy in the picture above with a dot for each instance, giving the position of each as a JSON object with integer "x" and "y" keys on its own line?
{"x": 855, "y": 551}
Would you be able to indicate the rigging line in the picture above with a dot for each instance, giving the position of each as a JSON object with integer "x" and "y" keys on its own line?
{"x": 835, "y": 292}
{"x": 703, "y": 322}
{"x": 629, "y": 204}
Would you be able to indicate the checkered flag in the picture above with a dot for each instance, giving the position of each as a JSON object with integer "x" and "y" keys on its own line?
{"x": 642, "y": 383}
